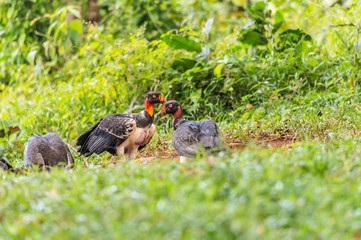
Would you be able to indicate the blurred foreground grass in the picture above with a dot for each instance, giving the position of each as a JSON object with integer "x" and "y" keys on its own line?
{"x": 308, "y": 192}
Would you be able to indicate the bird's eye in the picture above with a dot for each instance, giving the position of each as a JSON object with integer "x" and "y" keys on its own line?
{"x": 154, "y": 96}
{"x": 170, "y": 105}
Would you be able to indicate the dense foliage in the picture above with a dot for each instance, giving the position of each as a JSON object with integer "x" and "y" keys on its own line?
{"x": 258, "y": 68}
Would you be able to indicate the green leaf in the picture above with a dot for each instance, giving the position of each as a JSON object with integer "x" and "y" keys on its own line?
{"x": 183, "y": 64}
{"x": 279, "y": 17}
{"x": 279, "y": 20}
{"x": 295, "y": 35}
{"x": 74, "y": 37}
{"x": 22, "y": 39}
{"x": 218, "y": 69}
{"x": 76, "y": 26}
{"x": 180, "y": 42}
{"x": 75, "y": 12}
{"x": 256, "y": 11}
{"x": 31, "y": 56}
{"x": 94, "y": 44}
{"x": 253, "y": 37}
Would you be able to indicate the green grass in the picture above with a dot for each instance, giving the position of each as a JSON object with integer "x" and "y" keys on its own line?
{"x": 308, "y": 192}
{"x": 64, "y": 77}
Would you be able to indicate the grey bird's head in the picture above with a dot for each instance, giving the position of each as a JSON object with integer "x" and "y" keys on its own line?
{"x": 171, "y": 107}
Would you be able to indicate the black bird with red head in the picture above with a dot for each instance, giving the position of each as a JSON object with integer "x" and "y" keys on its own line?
{"x": 122, "y": 133}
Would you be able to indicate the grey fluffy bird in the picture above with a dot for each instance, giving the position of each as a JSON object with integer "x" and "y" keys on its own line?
{"x": 47, "y": 150}
{"x": 189, "y": 136}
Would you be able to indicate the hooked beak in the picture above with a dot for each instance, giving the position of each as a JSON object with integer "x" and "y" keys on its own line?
{"x": 161, "y": 99}
{"x": 163, "y": 111}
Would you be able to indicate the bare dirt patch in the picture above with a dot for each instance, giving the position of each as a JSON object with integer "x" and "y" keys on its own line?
{"x": 165, "y": 151}
{"x": 285, "y": 138}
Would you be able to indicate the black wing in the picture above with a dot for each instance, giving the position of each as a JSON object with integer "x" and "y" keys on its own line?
{"x": 106, "y": 135}
{"x": 4, "y": 164}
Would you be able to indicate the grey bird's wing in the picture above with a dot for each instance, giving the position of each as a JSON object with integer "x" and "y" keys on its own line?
{"x": 47, "y": 150}
{"x": 33, "y": 147}
{"x": 106, "y": 135}
{"x": 60, "y": 149}
{"x": 185, "y": 139}
{"x": 208, "y": 134}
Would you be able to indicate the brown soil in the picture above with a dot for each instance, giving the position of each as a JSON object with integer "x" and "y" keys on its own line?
{"x": 267, "y": 141}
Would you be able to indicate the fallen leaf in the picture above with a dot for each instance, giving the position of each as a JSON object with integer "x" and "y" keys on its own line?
{"x": 249, "y": 106}
{"x": 14, "y": 129}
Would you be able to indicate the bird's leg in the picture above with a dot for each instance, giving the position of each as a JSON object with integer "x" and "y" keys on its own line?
{"x": 182, "y": 159}
{"x": 69, "y": 157}
{"x": 132, "y": 153}
{"x": 120, "y": 153}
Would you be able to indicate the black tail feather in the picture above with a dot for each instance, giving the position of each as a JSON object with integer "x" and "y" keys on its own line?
{"x": 5, "y": 164}
{"x": 83, "y": 140}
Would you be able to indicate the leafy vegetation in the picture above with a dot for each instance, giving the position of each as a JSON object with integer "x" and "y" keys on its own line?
{"x": 262, "y": 70}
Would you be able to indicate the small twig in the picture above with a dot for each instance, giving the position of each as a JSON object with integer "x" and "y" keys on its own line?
{"x": 340, "y": 25}
{"x": 84, "y": 159}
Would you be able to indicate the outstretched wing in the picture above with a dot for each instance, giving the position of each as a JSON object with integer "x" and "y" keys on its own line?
{"x": 106, "y": 135}
{"x": 185, "y": 140}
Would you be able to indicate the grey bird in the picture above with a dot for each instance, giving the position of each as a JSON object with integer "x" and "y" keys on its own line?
{"x": 123, "y": 133}
{"x": 47, "y": 150}
{"x": 189, "y": 136}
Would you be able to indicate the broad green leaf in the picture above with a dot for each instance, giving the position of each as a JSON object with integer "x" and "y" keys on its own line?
{"x": 279, "y": 17}
{"x": 76, "y": 26}
{"x": 180, "y": 42}
{"x": 295, "y": 35}
{"x": 218, "y": 69}
{"x": 183, "y": 64}
{"x": 74, "y": 37}
{"x": 279, "y": 20}
{"x": 252, "y": 37}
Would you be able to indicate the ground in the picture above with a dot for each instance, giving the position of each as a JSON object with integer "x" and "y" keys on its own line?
{"x": 266, "y": 141}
